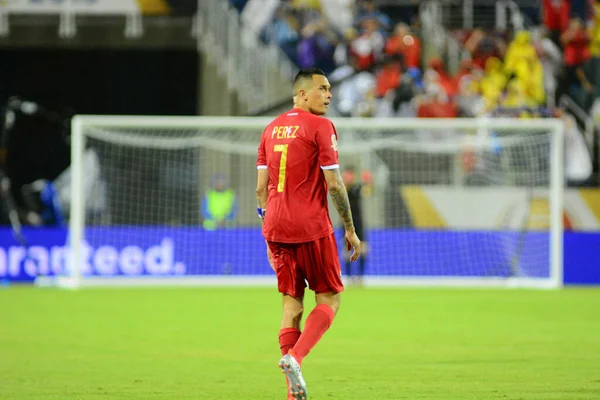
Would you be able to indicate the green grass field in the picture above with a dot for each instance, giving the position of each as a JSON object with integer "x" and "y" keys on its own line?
{"x": 222, "y": 344}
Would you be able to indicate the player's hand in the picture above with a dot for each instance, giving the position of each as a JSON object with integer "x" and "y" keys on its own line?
{"x": 353, "y": 243}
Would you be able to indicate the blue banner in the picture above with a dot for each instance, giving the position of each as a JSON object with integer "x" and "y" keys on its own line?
{"x": 582, "y": 258}
{"x": 167, "y": 251}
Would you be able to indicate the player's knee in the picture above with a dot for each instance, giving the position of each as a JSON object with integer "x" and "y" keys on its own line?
{"x": 330, "y": 299}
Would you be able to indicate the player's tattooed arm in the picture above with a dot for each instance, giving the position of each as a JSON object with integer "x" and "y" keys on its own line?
{"x": 342, "y": 205}
{"x": 339, "y": 196}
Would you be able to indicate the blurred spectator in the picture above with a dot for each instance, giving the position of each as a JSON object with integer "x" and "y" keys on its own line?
{"x": 576, "y": 52}
{"x": 534, "y": 83}
{"x": 551, "y": 59}
{"x": 555, "y": 15}
{"x": 368, "y": 46}
{"x": 316, "y": 47}
{"x": 353, "y": 89}
{"x": 494, "y": 82}
{"x": 339, "y": 13}
{"x": 594, "y": 34}
{"x": 388, "y": 77}
{"x": 578, "y": 162}
{"x": 283, "y": 31}
{"x": 482, "y": 46}
{"x": 357, "y": 190}
{"x": 436, "y": 74}
{"x": 465, "y": 71}
{"x": 219, "y": 205}
{"x": 469, "y": 100}
{"x": 342, "y": 49}
{"x": 367, "y": 9}
{"x": 522, "y": 63}
{"x": 308, "y": 47}
{"x": 436, "y": 104}
{"x": 519, "y": 54}
{"x": 406, "y": 44}
{"x": 576, "y": 43}
{"x": 403, "y": 104}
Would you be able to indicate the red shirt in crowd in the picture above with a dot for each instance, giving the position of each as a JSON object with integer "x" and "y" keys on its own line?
{"x": 577, "y": 51}
{"x": 409, "y": 46}
{"x": 556, "y": 14}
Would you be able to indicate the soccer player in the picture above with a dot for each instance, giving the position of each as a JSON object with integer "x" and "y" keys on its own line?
{"x": 297, "y": 164}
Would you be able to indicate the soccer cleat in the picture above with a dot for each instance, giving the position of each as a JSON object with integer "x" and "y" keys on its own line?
{"x": 291, "y": 369}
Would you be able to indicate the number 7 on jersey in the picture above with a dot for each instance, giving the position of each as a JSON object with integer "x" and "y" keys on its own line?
{"x": 283, "y": 149}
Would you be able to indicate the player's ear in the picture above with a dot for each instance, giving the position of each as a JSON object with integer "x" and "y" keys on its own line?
{"x": 302, "y": 94}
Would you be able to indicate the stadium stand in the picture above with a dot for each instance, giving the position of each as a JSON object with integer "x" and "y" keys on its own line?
{"x": 541, "y": 61}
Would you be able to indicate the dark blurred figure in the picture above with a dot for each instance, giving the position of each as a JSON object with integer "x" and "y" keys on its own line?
{"x": 35, "y": 147}
{"x": 356, "y": 190}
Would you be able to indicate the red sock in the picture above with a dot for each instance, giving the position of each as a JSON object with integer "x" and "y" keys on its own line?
{"x": 317, "y": 323}
{"x": 287, "y": 339}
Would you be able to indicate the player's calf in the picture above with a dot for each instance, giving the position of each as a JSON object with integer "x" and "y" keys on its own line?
{"x": 317, "y": 323}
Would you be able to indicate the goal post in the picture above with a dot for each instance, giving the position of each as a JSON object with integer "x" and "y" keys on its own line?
{"x": 454, "y": 202}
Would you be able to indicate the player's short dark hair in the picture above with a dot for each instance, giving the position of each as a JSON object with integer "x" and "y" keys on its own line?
{"x": 305, "y": 74}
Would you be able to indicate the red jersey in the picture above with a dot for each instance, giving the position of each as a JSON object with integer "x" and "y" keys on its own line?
{"x": 295, "y": 147}
{"x": 556, "y": 14}
{"x": 577, "y": 51}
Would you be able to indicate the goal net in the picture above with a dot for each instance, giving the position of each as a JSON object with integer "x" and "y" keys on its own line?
{"x": 446, "y": 202}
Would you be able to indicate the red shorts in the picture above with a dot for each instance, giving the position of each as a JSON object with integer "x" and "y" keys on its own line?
{"x": 315, "y": 262}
